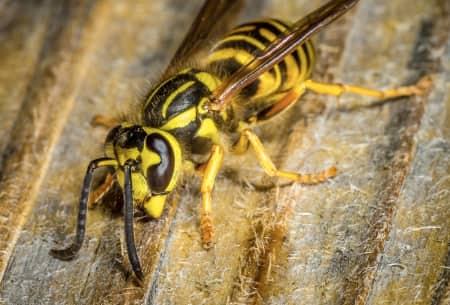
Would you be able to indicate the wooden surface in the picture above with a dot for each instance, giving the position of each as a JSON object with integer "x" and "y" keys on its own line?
{"x": 377, "y": 234}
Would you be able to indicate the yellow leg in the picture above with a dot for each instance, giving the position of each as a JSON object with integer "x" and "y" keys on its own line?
{"x": 270, "y": 169}
{"x": 104, "y": 121}
{"x": 101, "y": 190}
{"x": 285, "y": 102}
{"x": 209, "y": 176}
{"x": 241, "y": 146}
{"x": 420, "y": 88}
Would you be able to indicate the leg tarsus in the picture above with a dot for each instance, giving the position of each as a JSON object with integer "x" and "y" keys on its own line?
{"x": 420, "y": 88}
{"x": 207, "y": 230}
{"x": 424, "y": 85}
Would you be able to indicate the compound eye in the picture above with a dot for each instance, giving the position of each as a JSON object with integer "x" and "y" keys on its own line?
{"x": 160, "y": 175}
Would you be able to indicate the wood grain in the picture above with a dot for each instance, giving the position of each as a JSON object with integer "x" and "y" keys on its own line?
{"x": 379, "y": 233}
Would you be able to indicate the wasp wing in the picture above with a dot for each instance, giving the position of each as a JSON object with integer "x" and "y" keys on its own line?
{"x": 213, "y": 20}
{"x": 275, "y": 52}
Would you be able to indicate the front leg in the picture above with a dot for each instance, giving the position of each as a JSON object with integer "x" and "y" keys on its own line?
{"x": 210, "y": 172}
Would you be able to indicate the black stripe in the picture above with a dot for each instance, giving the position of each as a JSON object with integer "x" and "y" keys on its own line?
{"x": 187, "y": 98}
{"x": 266, "y": 25}
{"x": 251, "y": 89}
{"x": 225, "y": 67}
{"x": 186, "y": 133}
{"x": 310, "y": 52}
{"x": 283, "y": 71}
{"x": 229, "y": 66}
{"x": 153, "y": 115}
{"x": 282, "y": 23}
{"x": 308, "y": 58}
{"x": 240, "y": 45}
{"x": 164, "y": 91}
{"x": 297, "y": 59}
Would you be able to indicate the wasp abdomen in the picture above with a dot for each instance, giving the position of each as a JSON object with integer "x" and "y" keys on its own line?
{"x": 248, "y": 40}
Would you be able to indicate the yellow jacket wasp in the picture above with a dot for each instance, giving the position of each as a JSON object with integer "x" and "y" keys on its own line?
{"x": 253, "y": 73}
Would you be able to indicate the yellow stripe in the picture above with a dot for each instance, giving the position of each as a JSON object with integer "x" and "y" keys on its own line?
{"x": 156, "y": 90}
{"x": 208, "y": 80}
{"x": 201, "y": 109}
{"x": 267, "y": 34}
{"x": 277, "y": 77}
{"x": 140, "y": 185}
{"x": 185, "y": 71}
{"x": 245, "y": 28}
{"x": 108, "y": 163}
{"x": 276, "y": 24}
{"x": 268, "y": 83}
{"x": 181, "y": 120}
{"x": 292, "y": 72}
{"x": 208, "y": 129}
{"x": 173, "y": 95}
{"x": 149, "y": 158}
{"x": 303, "y": 63}
{"x": 123, "y": 154}
{"x": 240, "y": 56}
{"x": 254, "y": 42}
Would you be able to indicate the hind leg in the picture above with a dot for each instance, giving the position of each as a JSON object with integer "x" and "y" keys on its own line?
{"x": 420, "y": 88}
{"x": 271, "y": 170}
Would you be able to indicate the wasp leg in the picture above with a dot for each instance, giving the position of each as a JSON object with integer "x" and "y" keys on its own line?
{"x": 287, "y": 100}
{"x": 241, "y": 145}
{"x": 104, "y": 121}
{"x": 420, "y": 88}
{"x": 209, "y": 175}
{"x": 270, "y": 169}
{"x": 101, "y": 190}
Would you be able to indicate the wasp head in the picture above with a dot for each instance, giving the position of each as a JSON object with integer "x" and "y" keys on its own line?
{"x": 154, "y": 157}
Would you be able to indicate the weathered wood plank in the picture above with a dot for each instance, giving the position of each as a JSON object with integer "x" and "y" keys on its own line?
{"x": 334, "y": 251}
{"x": 371, "y": 236}
{"x": 115, "y": 72}
{"x": 338, "y": 236}
{"x": 22, "y": 32}
{"x": 68, "y": 37}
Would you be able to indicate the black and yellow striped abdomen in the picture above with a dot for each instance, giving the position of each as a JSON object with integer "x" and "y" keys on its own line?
{"x": 248, "y": 40}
